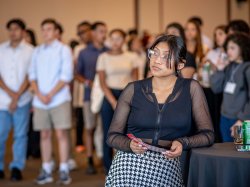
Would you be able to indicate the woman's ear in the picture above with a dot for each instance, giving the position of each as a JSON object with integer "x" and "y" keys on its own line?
{"x": 181, "y": 65}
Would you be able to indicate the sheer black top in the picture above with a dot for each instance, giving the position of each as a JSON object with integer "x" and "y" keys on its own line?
{"x": 184, "y": 116}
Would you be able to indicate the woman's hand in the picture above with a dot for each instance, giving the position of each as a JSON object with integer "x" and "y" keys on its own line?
{"x": 222, "y": 62}
{"x": 137, "y": 148}
{"x": 175, "y": 150}
{"x": 238, "y": 123}
{"x": 212, "y": 66}
{"x": 113, "y": 104}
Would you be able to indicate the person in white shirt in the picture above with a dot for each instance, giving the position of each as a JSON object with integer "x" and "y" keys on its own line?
{"x": 15, "y": 56}
{"x": 205, "y": 39}
{"x": 71, "y": 161}
{"x": 218, "y": 53}
{"x": 135, "y": 45}
{"x": 50, "y": 73}
{"x": 116, "y": 69}
{"x": 215, "y": 59}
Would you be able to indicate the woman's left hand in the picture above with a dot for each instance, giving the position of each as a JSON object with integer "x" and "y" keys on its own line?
{"x": 175, "y": 150}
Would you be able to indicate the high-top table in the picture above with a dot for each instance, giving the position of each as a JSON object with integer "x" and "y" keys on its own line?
{"x": 219, "y": 166}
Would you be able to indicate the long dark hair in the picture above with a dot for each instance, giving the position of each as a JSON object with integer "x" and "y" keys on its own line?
{"x": 179, "y": 27}
{"x": 238, "y": 25}
{"x": 220, "y": 27}
{"x": 32, "y": 35}
{"x": 243, "y": 41}
{"x": 199, "y": 47}
{"x": 177, "y": 49}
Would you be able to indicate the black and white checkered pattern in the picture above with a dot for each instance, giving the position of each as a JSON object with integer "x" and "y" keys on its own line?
{"x": 150, "y": 169}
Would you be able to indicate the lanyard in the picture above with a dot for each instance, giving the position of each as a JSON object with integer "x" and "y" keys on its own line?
{"x": 233, "y": 73}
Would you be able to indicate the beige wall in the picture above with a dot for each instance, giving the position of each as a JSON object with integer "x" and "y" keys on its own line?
{"x": 240, "y": 10}
{"x": 149, "y": 15}
{"x": 213, "y": 13}
{"x": 180, "y": 11}
{"x": 118, "y": 13}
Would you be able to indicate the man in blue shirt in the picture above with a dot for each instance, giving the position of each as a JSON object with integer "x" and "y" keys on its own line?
{"x": 50, "y": 73}
{"x": 86, "y": 69}
{"x": 84, "y": 34}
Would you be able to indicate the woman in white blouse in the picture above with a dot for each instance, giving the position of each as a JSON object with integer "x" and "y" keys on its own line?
{"x": 135, "y": 45}
{"x": 116, "y": 69}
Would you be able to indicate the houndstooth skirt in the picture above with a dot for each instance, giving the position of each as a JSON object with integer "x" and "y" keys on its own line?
{"x": 150, "y": 169}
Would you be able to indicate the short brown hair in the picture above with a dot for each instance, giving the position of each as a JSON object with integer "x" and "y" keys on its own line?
{"x": 49, "y": 21}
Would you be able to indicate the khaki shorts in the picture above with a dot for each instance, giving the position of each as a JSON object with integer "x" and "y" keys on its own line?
{"x": 91, "y": 120}
{"x": 57, "y": 118}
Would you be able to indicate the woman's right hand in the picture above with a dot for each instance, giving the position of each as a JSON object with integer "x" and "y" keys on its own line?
{"x": 113, "y": 104}
{"x": 137, "y": 148}
{"x": 222, "y": 62}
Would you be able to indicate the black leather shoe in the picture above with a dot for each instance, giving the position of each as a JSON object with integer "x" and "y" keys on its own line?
{"x": 90, "y": 170}
{"x": 16, "y": 175}
{"x": 1, "y": 174}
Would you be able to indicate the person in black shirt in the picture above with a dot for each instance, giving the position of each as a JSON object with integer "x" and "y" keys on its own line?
{"x": 237, "y": 25}
{"x": 190, "y": 65}
{"x": 164, "y": 111}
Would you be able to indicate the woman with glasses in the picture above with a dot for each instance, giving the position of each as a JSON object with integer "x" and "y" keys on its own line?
{"x": 116, "y": 69}
{"x": 165, "y": 113}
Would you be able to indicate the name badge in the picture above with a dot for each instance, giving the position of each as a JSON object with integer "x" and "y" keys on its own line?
{"x": 230, "y": 88}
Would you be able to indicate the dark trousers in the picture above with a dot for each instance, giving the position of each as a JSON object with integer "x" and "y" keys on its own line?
{"x": 214, "y": 104}
{"x": 79, "y": 126}
{"x": 225, "y": 125}
{"x": 33, "y": 146}
{"x": 107, "y": 115}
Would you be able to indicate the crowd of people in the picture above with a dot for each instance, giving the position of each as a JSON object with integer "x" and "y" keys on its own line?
{"x": 106, "y": 84}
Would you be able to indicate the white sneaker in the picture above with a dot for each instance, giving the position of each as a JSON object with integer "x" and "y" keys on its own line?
{"x": 64, "y": 178}
{"x": 44, "y": 178}
{"x": 72, "y": 164}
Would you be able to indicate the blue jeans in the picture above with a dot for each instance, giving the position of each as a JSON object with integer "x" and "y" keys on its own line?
{"x": 225, "y": 125}
{"x": 107, "y": 115}
{"x": 19, "y": 120}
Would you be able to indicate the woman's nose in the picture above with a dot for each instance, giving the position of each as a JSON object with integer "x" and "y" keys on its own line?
{"x": 158, "y": 60}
